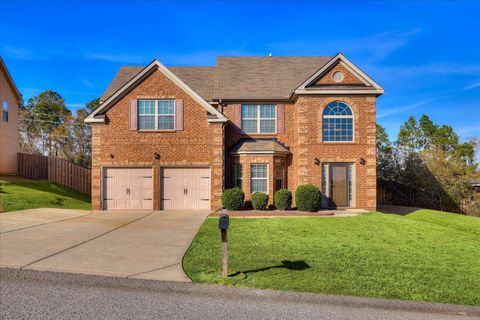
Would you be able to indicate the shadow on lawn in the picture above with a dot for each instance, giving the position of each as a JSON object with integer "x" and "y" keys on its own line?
{"x": 286, "y": 264}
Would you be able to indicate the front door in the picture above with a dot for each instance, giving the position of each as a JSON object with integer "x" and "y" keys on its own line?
{"x": 339, "y": 185}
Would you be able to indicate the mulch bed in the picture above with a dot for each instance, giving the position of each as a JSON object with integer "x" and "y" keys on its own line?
{"x": 272, "y": 213}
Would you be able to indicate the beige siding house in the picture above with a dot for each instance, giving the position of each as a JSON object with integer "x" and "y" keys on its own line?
{"x": 10, "y": 99}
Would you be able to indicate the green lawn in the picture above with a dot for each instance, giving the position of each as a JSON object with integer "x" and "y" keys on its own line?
{"x": 19, "y": 194}
{"x": 426, "y": 255}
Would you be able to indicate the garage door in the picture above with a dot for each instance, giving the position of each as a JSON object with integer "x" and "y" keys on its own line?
{"x": 127, "y": 188}
{"x": 185, "y": 188}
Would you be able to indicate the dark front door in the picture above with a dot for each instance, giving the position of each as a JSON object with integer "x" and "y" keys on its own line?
{"x": 339, "y": 185}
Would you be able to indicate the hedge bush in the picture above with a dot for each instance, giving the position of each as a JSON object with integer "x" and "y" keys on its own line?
{"x": 308, "y": 198}
{"x": 232, "y": 199}
{"x": 283, "y": 199}
{"x": 259, "y": 201}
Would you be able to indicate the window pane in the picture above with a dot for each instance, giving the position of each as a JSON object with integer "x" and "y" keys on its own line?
{"x": 249, "y": 111}
{"x": 267, "y": 126}
{"x": 165, "y": 123}
{"x": 259, "y": 170}
{"x": 337, "y": 129}
{"x": 238, "y": 171}
{"x": 146, "y": 122}
{"x": 267, "y": 111}
{"x": 166, "y": 107}
{"x": 146, "y": 107}
{"x": 259, "y": 185}
{"x": 249, "y": 125}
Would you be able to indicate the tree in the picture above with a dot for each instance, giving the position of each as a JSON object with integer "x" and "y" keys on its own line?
{"x": 92, "y": 105}
{"x": 47, "y": 113}
{"x": 427, "y": 165}
{"x": 385, "y": 155}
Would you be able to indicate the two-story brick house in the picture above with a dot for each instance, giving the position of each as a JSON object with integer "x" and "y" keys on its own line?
{"x": 174, "y": 138}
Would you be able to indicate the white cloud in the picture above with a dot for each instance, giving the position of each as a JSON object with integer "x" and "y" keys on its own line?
{"x": 472, "y": 86}
{"x": 371, "y": 47}
{"x": 124, "y": 58}
{"x": 392, "y": 111}
{"x": 88, "y": 83}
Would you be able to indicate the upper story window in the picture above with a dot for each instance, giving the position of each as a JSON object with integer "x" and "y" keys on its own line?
{"x": 5, "y": 111}
{"x": 156, "y": 114}
{"x": 337, "y": 123}
{"x": 259, "y": 118}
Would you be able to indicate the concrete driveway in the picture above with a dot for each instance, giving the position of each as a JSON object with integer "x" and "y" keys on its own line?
{"x": 133, "y": 244}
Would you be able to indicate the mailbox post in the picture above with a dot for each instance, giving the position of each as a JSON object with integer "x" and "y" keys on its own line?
{"x": 223, "y": 222}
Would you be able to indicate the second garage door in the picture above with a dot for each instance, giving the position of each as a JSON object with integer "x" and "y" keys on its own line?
{"x": 185, "y": 188}
{"x": 127, "y": 188}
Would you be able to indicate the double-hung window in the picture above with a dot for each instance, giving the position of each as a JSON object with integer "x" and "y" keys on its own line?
{"x": 259, "y": 118}
{"x": 156, "y": 114}
{"x": 259, "y": 177}
{"x": 5, "y": 111}
{"x": 238, "y": 175}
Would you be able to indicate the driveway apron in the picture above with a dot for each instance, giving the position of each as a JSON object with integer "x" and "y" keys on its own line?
{"x": 149, "y": 248}
{"x": 25, "y": 246}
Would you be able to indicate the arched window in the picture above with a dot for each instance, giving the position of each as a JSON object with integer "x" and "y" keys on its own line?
{"x": 337, "y": 122}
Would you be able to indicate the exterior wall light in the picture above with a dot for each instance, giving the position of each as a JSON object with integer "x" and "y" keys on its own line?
{"x": 317, "y": 161}
{"x": 157, "y": 155}
{"x": 111, "y": 155}
{"x": 362, "y": 161}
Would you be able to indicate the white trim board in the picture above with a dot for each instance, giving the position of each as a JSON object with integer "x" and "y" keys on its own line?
{"x": 94, "y": 117}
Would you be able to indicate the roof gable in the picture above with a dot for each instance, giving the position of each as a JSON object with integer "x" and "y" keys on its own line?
{"x": 97, "y": 116}
{"x": 355, "y": 81}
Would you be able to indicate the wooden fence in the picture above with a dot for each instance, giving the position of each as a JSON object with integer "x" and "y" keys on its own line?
{"x": 54, "y": 169}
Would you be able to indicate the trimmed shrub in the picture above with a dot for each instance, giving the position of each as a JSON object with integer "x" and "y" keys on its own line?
{"x": 259, "y": 201}
{"x": 308, "y": 198}
{"x": 283, "y": 199}
{"x": 232, "y": 199}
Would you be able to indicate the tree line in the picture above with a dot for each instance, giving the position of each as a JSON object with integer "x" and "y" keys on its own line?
{"x": 49, "y": 128}
{"x": 428, "y": 164}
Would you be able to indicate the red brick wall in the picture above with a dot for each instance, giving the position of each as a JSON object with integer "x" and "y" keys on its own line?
{"x": 200, "y": 143}
{"x": 303, "y": 137}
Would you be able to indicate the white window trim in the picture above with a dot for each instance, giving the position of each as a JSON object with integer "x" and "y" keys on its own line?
{"x": 237, "y": 177}
{"x": 252, "y": 178}
{"x": 156, "y": 115}
{"x": 258, "y": 118}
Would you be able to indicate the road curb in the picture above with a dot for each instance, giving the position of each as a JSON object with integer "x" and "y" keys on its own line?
{"x": 237, "y": 293}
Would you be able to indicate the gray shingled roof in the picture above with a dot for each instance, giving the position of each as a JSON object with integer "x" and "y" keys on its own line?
{"x": 258, "y": 145}
{"x": 238, "y": 77}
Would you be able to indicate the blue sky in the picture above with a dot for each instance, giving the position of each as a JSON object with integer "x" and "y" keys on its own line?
{"x": 425, "y": 54}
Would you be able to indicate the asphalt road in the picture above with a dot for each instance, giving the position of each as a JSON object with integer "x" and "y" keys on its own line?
{"x": 26, "y": 294}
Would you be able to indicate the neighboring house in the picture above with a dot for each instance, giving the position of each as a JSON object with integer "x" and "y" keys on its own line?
{"x": 174, "y": 138}
{"x": 10, "y": 99}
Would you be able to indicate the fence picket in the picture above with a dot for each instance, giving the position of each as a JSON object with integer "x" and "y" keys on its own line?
{"x": 63, "y": 172}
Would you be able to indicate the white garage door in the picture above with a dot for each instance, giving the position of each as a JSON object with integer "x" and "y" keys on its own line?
{"x": 185, "y": 188}
{"x": 128, "y": 188}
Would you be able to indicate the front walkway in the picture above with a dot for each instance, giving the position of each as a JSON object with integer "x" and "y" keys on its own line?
{"x": 134, "y": 244}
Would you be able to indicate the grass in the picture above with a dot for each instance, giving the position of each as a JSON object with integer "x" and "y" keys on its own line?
{"x": 426, "y": 255}
{"x": 20, "y": 194}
